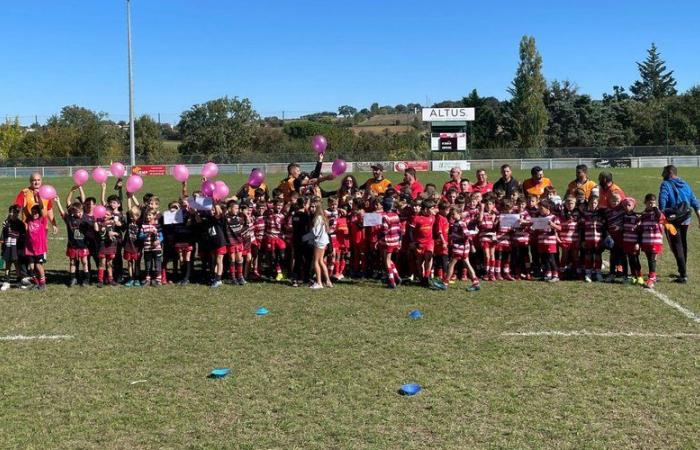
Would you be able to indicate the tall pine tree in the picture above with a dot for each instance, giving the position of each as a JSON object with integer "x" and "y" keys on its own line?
{"x": 656, "y": 83}
{"x": 529, "y": 112}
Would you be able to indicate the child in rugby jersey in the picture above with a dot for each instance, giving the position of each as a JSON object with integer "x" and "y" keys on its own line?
{"x": 259, "y": 234}
{"x": 214, "y": 223}
{"x": 234, "y": 241}
{"x": 132, "y": 246}
{"x": 503, "y": 244}
{"x": 569, "y": 239}
{"x": 441, "y": 231}
{"x": 592, "y": 227}
{"x": 107, "y": 236}
{"x": 357, "y": 239}
{"x": 651, "y": 235}
{"x": 547, "y": 243}
{"x": 37, "y": 244}
{"x": 152, "y": 238}
{"x": 274, "y": 246}
{"x": 630, "y": 240}
{"x": 76, "y": 250}
{"x": 613, "y": 224}
{"x": 247, "y": 238}
{"x": 423, "y": 244}
{"x": 390, "y": 240}
{"x": 333, "y": 250}
{"x": 520, "y": 249}
{"x": 460, "y": 247}
{"x": 342, "y": 234}
{"x": 532, "y": 209}
{"x": 488, "y": 224}
{"x": 14, "y": 234}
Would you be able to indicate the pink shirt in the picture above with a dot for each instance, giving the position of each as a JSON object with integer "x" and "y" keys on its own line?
{"x": 37, "y": 238}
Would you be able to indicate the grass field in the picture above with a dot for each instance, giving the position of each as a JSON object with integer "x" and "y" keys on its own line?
{"x": 323, "y": 368}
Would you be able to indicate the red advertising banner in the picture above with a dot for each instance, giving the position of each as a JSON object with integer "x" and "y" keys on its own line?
{"x": 419, "y": 166}
{"x": 148, "y": 170}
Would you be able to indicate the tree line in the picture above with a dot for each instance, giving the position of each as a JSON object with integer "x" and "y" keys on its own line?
{"x": 538, "y": 115}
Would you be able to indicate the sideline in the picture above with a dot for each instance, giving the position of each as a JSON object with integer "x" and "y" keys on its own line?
{"x": 21, "y": 337}
{"x": 575, "y": 333}
{"x": 683, "y": 310}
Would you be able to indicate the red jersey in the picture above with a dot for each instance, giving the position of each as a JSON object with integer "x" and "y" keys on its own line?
{"x": 569, "y": 221}
{"x": 547, "y": 240}
{"x": 391, "y": 230}
{"x": 342, "y": 232}
{"x": 651, "y": 230}
{"x": 422, "y": 227}
{"x": 592, "y": 223}
{"x": 441, "y": 231}
{"x": 273, "y": 224}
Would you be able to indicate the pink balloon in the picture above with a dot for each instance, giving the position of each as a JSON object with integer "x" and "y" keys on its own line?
{"x": 80, "y": 177}
{"x": 99, "y": 175}
{"x": 210, "y": 170}
{"x": 319, "y": 143}
{"x": 208, "y": 188}
{"x": 220, "y": 190}
{"x": 339, "y": 167}
{"x": 180, "y": 173}
{"x": 47, "y": 192}
{"x": 99, "y": 212}
{"x": 118, "y": 170}
{"x": 256, "y": 178}
{"x": 134, "y": 183}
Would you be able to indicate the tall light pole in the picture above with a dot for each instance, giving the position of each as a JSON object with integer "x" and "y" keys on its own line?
{"x": 132, "y": 140}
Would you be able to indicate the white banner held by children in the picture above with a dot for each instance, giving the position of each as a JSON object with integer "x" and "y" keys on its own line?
{"x": 540, "y": 223}
{"x": 371, "y": 219}
{"x": 508, "y": 221}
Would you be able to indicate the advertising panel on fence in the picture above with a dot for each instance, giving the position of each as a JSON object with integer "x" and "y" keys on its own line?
{"x": 613, "y": 162}
{"x": 419, "y": 166}
{"x": 148, "y": 170}
{"x": 446, "y": 166}
{"x": 366, "y": 166}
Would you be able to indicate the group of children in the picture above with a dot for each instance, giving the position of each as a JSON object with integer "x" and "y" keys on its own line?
{"x": 459, "y": 235}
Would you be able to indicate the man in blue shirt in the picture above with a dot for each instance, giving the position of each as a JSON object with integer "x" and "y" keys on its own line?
{"x": 672, "y": 193}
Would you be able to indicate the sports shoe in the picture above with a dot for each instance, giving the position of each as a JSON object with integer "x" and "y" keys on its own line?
{"x": 156, "y": 283}
{"x": 316, "y": 286}
{"x": 184, "y": 282}
{"x": 340, "y": 277}
{"x": 146, "y": 283}
{"x": 113, "y": 283}
{"x": 649, "y": 284}
{"x": 73, "y": 282}
{"x": 553, "y": 280}
{"x": 508, "y": 277}
{"x": 216, "y": 284}
{"x": 681, "y": 280}
{"x": 391, "y": 285}
{"x": 129, "y": 283}
{"x": 279, "y": 277}
{"x": 474, "y": 287}
{"x": 85, "y": 283}
{"x": 5, "y": 286}
{"x": 242, "y": 281}
{"x": 610, "y": 278}
{"x": 640, "y": 280}
{"x": 100, "y": 284}
{"x": 588, "y": 279}
{"x": 27, "y": 281}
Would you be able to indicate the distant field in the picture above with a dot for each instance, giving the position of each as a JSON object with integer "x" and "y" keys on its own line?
{"x": 380, "y": 129}
{"x": 515, "y": 365}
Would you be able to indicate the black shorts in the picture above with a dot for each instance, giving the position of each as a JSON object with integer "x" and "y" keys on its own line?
{"x": 37, "y": 259}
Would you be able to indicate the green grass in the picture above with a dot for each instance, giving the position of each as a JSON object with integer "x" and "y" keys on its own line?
{"x": 322, "y": 369}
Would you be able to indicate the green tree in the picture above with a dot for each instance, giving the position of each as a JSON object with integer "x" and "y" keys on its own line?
{"x": 10, "y": 137}
{"x": 656, "y": 82}
{"x": 221, "y": 128}
{"x": 529, "y": 112}
{"x": 347, "y": 111}
{"x": 149, "y": 145}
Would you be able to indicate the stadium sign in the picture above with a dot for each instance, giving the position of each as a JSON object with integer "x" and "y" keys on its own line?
{"x": 448, "y": 114}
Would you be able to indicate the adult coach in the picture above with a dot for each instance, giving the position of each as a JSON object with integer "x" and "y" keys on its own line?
{"x": 482, "y": 184}
{"x": 29, "y": 197}
{"x": 606, "y": 189}
{"x": 377, "y": 184}
{"x": 288, "y": 185}
{"x": 410, "y": 181}
{"x": 673, "y": 192}
{"x": 536, "y": 183}
{"x": 506, "y": 183}
{"x": 455, "y": 181}
{"x": 581, "y": 182}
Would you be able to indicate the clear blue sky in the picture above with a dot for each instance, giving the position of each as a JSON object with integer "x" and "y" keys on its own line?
{"x": 304, "y": 56}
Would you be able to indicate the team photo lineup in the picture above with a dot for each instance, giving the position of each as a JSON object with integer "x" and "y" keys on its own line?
{"x": 304, "y": 235}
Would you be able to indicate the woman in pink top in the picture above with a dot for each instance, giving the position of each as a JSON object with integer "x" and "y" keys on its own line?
{"x": 37, "y": 244}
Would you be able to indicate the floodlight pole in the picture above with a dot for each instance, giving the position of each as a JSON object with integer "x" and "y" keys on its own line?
{"x": 132, "y": 140}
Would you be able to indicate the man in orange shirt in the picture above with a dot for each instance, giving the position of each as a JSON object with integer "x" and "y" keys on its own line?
{"x": 29, "y": 197}
{"x": 581, "y": 182}
{"x": 536, "y": 184}
{"x": 377, "y": 184}
{"x": 606, "y": 188}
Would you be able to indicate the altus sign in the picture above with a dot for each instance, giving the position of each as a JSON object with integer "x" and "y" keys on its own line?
{"x": 447, "y": 114}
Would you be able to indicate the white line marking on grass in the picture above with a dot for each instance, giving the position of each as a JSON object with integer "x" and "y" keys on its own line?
{"x": 138, "y": 381}
{"x": 21, "y": 337}
{"x": 685, "y": 311}
{"x": 575, "y": 333}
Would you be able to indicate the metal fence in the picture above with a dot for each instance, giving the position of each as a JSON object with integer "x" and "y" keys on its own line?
{"x": 398, "y": 165}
